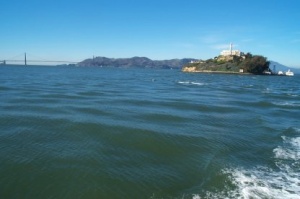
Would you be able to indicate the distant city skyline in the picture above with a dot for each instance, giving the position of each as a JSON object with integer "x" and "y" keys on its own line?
{"x": 75, "y": 30}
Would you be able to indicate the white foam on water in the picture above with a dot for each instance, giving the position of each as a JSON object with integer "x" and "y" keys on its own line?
{"x": 263, "y": 182}
{"x": 183, "y": 82}
{"x": 290, "y": 150}
{"x": 191, "y": 83}
{"x": 292, "y": 95}
{"x": 266, "y": 91}
{"x": 196, "y": 196}
{"x": 197, "y": 83}
{"x": 290, "y": 103}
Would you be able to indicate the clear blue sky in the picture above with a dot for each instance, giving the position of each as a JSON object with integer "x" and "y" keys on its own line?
{"x": 158, "y": 29}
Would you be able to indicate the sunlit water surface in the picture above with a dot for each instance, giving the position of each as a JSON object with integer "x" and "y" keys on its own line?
{"x": 74, "y": 132}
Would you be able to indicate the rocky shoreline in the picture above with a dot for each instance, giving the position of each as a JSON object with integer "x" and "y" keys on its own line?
{"x": 194, "y": 70}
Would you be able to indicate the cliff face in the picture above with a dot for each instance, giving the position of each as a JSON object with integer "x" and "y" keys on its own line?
{"x": 230, "y": 64}
{"x": 140, "y": 62}
{"x": 191, "y": 69}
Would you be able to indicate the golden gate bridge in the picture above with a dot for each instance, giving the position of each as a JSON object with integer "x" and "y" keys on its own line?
{"x": 25, "y": 61}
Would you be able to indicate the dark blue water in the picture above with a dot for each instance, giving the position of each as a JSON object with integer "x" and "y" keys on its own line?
{"x": 68, "y": 132}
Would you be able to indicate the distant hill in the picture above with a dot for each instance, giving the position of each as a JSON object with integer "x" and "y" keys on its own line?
{"x": 283, "y": 68}
{"x": 144, "y": 62}
{"x": 140, "y": 62}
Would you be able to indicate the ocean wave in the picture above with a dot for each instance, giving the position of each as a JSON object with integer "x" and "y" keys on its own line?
{"x": 291, "y": 151}
{"x": 292, "y": 95}
{"x": 266, "y": 91}
{"x": 191, "y": 83}
{"x": 287, "y": 104}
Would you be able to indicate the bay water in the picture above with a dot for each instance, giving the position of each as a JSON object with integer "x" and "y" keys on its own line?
{"x": 79, "y": 132}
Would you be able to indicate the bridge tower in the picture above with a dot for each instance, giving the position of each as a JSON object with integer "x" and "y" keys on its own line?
{"x": 25, "y": 60}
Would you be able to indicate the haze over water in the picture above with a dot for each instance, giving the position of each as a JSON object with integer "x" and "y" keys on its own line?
{"x": 72, "y": 132}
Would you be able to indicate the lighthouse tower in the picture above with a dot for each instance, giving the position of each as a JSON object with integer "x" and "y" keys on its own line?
{"x": 231, "y": 52}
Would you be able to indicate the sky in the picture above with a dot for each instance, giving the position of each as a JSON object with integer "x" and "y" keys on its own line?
{"x": 75, "y": 30}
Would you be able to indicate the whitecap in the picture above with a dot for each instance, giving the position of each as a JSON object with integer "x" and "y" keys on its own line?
{"x": 266, "y": 91}
{"x": 197, "y": 83}
{"x": 292, "y": 95}
{"x": 292, "y": 104}
{"x": 191, "y": 83}
{"x": 183, "y": 82}
{"x": 290, "y": 150}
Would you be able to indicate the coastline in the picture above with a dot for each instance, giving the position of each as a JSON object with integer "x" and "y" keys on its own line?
{"x": 217, "y": 72}
{"x": 227, "y": 72}
{"x": 194, "y": 70}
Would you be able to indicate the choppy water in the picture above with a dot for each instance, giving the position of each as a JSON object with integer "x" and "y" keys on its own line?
{"x": 70, "y": 132}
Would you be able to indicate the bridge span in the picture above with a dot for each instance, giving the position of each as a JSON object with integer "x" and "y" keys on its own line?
{"x": 26, "y": 61}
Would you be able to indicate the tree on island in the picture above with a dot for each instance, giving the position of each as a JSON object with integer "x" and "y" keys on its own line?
{"x": 255, "y": 64}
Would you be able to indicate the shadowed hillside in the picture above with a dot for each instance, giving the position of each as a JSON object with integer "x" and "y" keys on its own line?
{"x": 140, "y": 62}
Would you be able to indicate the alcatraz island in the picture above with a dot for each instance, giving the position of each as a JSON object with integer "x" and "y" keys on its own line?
{"x": 233, "y": 62}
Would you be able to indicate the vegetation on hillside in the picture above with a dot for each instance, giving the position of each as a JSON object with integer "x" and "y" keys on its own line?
{"x": 255, "y": 64}
{"x": 249, "y": 63}
{"x": 140, "y": 62}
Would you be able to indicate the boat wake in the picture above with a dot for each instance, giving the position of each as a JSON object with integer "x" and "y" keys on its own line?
{"x": 280, "y": 182}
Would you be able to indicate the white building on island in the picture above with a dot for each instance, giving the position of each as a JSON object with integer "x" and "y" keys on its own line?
{"x": 231, "y": 52}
